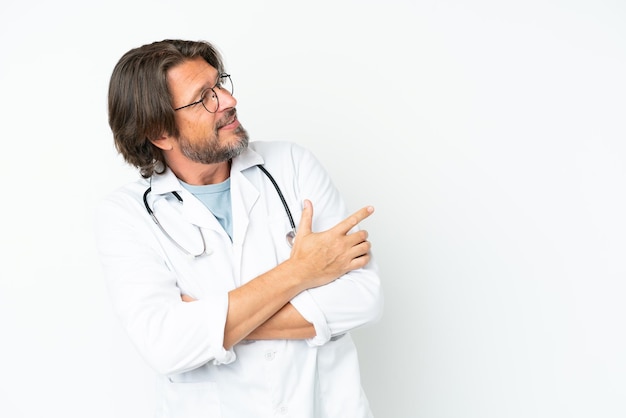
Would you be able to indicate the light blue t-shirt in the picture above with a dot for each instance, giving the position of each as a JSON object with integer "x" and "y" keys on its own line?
{"x": 216, "y": 197}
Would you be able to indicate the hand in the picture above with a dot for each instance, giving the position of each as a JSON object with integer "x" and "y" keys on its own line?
{"x": 187, "y": 298}
{"x": 324, "y": 256}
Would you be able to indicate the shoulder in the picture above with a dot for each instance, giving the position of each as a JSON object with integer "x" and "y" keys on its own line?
{"x": 265, "y": 148}
{"x": 128, "y": 195}
{"x": 281, "y": 152}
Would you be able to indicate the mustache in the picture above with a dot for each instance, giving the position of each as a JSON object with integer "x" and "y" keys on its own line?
{"x": 229, "y": 116}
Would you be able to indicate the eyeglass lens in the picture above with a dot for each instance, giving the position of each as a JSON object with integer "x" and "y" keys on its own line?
{"x": 210, "y": 100}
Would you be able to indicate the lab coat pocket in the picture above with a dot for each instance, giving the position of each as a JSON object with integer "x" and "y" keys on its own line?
{"x": 191, "y": 400}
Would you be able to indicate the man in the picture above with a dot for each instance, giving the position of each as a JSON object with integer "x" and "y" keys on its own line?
{"x": 239, "y": 319}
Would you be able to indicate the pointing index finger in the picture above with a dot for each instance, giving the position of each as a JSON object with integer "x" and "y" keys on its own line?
{"x": 354, "y": 219}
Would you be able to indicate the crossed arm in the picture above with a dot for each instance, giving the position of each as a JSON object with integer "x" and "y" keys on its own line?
{"x": 260, "y": 309}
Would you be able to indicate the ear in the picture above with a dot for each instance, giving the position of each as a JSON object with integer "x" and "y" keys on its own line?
{"x": 164, "y": 142}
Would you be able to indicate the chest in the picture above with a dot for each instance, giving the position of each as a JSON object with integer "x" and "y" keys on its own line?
{"x": 259, "y": 229}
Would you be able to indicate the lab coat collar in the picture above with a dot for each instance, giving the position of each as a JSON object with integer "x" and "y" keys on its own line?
{"x": 193, "y": 210}
{"x": 165, "y": 183}
{"x": 168, "y": 182}
{"x": 245, "y": 160}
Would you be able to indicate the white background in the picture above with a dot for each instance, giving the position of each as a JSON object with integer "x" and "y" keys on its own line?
{"x": 489, "y": 135}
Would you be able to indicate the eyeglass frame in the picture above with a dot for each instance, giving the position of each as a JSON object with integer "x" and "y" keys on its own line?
{"x": 204, "y": 92}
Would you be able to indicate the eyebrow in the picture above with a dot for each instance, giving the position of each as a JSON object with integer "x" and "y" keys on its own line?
{"x": 206, "y": 86}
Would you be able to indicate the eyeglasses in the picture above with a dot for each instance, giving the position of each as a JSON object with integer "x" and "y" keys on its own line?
{"x": 209, "y": 98}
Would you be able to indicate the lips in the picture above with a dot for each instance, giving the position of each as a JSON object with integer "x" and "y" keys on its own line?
{"x": 229, "y": 119}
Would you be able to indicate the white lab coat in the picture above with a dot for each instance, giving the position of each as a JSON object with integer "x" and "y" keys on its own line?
{"x": 183, "y": 342}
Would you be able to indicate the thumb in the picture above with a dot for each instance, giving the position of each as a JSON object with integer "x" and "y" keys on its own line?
{"x": 306, "y": 220}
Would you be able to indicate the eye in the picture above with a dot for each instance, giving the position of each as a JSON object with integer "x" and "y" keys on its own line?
{"x": 208, "y": 94}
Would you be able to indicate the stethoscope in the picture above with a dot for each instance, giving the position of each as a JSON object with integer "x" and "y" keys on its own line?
{"x": 290, "y": 236}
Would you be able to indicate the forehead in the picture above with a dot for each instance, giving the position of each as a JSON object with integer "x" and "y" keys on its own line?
{"x": 191, "y": 75}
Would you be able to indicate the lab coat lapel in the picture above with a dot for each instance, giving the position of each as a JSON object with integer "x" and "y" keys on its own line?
{"x": 196, "y": 213}
{"x": 243, "y": 196}
{"x": 243, "y": 193}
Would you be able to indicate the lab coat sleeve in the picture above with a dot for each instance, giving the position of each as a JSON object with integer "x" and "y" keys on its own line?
{"x": 354, "y": 299}
{"x": 171, "y": 335}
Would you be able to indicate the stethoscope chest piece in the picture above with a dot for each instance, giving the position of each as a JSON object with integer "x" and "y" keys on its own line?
{"x": 291, "y": 236}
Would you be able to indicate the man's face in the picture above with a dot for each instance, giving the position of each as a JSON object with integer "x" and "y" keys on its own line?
{"x": 204, "y": 137}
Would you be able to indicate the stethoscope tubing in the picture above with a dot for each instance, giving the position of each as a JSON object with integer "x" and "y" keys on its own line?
{"x": 290, "y": 235}
{"x": 280, "y": 194}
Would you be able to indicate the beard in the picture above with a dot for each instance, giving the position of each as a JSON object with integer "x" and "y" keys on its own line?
{"x": 210, "y": 150}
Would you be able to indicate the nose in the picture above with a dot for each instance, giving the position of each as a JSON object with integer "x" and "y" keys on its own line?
{"x": 226, "y": 100}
